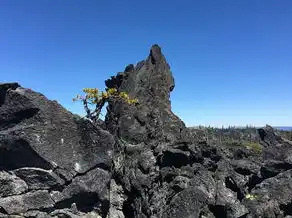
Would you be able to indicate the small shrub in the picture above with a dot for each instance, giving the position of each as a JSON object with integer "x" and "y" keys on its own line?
{"x": 98, "y": 99}
{"x": 257, "y": 147}
{"x": 251, "y": 197}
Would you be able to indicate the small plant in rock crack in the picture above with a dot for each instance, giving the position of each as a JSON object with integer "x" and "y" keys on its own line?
{"x": 98, "y": 99}
{"x": 251, "y": 197}
{"x": 256, "y": 147}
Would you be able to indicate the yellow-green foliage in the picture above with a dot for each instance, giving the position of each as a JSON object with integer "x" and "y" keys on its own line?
{"x": 94, "y": 97}
{"x": 251, "y": 197}
{"x": 254, "y": 146}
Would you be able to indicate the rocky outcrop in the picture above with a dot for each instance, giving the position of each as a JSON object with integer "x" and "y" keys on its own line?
{"x": 140, "y": 163}
{"x": 164, "y": 174}
{"x": 150, "y": 82}
{"x": 148, "y": 134}
{"x": 50, "y": 158}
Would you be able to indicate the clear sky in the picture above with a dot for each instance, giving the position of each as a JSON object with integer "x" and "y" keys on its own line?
{"x": 232, "y": 60}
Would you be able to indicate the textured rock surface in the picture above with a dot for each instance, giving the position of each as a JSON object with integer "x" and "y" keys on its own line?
{"x": 22, "y": 203}
{"x": 11, "y": 185}
{"x": 141, "y": 162}
{"x": 164, "y": 174}
{"x": 150, "y": 82}
{"x": 46, "y": 150}
{"x": 39, "y": 133}
{"x": 39, "y": 178}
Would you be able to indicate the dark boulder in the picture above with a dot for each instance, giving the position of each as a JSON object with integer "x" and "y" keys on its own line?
{"x": 86, "y": 191}
{"x": 272, "y": 197}
{"x": 37, "y": 178}
{"x": 28, "y": 201}
{"x": 36, "y": 132}
{"x": 45, "y": 150}
{"x": 269, "y": 137}
{"x": 11, "y": 185}
{"x": 150, "y": 136}
{"x": 188, "y": 203}
{"x": 150, "y": 82}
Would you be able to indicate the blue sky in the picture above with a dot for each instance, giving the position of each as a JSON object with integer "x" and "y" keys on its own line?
{"x": 231, "y": 59}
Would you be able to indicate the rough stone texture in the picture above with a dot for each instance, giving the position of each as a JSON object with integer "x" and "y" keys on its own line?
{"x": 273, "y": 196}
{"x": 117, "y": 199}
{"x": 162, "y": 173}
{"x": 22, "y": 203}
{"x": 45, "y": 147}
{"x": 36, "y": 213}
{"x": 141, "y": 162}
{"x": 187, "y": 203}
{"x": 11, "y": 185}
{"x": 37, "y": 178}
{"x": 36, "y": 132}
{"x": 150, "y": 82}
{"x": 148, "y": 136}
{"x": 86, "y": 191}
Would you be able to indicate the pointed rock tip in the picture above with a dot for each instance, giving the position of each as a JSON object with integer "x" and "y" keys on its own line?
{"x": 156, "y": 54}
{"x": 156, "y": 46}
{"x": 156, "y": 49}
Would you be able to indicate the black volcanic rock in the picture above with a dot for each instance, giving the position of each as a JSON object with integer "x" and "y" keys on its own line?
{"x": 268, "y": 135}
{"x": 275, "y": 147}
{"x": 148, "y": 130}
{"x": 45, "y": 149}
{"x": 141, "y": 162}
{"x": 11, "y": 185}
{"x": 44, "y": 134}
{"x": 28, "y": 201}
{"x": 178, "y": 178}
{"x": 150, "y": 82}
{"x": 37, "y": 178}
{"x": 272, "y": 197}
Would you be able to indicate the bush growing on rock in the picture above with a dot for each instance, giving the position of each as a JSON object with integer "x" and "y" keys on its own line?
{"x": 256, "y": 147}
{"x": 98, "y": 99}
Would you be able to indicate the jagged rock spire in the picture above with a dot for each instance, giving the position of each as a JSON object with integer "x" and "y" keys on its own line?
{"x": 151, "y": 82}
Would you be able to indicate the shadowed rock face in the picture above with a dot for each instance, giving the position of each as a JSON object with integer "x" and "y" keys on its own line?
{"x": 163, "y": 175}
{"x": 44, "y": 150}
{"x": 151, "y": 82}
{"x": 48, "y": 135}
{"x": 139, "y": 163}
